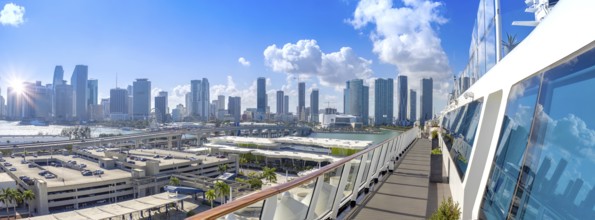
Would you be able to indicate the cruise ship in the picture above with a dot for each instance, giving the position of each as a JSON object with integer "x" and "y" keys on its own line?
{"x": 518, "y": 143}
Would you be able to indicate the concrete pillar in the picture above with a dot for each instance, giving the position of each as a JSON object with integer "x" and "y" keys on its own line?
{"x": 41, "y": 197}
{"x": 169, "y": 142}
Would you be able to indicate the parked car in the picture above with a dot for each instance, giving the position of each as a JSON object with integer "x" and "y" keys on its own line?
{"x": 2, "y": 160}
{"x": 43, "y": 172}
{"x": 156, "y": 156}
{"x": 31, "y": 165}
{"x": 168, "y": 157}
{"x": 98, "y": 172}
{"x": 7, "y": 164}
{"x": 13, "y": 169}
{"x": 23, "y": 162}
{"x": 86, "y": 173}
{"x": 50, "y": 176}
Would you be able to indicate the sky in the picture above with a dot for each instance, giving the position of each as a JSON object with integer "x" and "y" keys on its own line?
{"x": 231, "y": 43}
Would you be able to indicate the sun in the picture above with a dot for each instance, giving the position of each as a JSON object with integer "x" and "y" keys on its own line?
{"x": 17, "y": 85}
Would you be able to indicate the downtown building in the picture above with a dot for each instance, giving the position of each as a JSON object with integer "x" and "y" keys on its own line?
{"x": 161, "y": 107}
{"x": 426, "y": 108}
{"x": 412, "y": 106}
{"x": 199, "y": 99}
{"x": 301, "y": 108}
{"x": 261, "y": 99}
{"x": 141, "y": 99}
{"x": 402, "y": 95}
{"x": 383, "y": 101}
{"x": 234, "y": 108}
{"x": 356, "y": 100}
{"x": 314, "y": 106}
{"x": 79, "y": 88}
{"x": 118, "y": 103}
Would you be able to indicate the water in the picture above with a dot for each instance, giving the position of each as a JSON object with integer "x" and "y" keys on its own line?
{"x": 375, "y": 138}
{"x": 13, "y": 128}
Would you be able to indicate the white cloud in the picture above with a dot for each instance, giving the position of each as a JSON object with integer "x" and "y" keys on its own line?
{"x": 305, "y": 58}
{"x": 178, "y": 95}
{"x": 243, "y": 61}
{"x": 12, "y": 14}
{"x": 405, "y": 37}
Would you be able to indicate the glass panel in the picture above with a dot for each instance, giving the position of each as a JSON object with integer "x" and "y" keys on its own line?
{"x": 294, "y": 204}
{"x": 252, "y": 212}
{"x": 354, "y": 168}
{"x": 459, "y": 133}
{"x": 368, "y": 162}
{"x": 511, "y": 147}
{"x": 557, "y": 180}
{"x": 374, "y": 163}
{"x": 327, "y": 192}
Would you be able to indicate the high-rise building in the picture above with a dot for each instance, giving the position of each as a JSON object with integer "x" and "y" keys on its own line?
{"x": 261, "y": 99}
{"x": 301, "y": 101}
{"x": 356, "y": 99}
{"x": 118, "y": 104}
{"x": 403, "y": 95}
{"x": 14, "y": 104}
{"x": 58, "y": 80}
{"x": 105, "y": 106}
{"x": 63, "y": 102}
{"x": 314, "y": 106}
{"x": 234, "y": 107}
{"x": 286, "y": 104}
{"x": 188, "y": 106}
{"x": 426, "y": 111}
{"x": 36, "y": 101}
{"x": 141, "y": 98}
{"x": 383, "y": 101}
{"x": 177, "y": 114}
{"x": 164, "y": 94}
{"x": 79, "y": 87}
{"x": 412, "y": 105}
{"x": 280, "y": 104}
{"x": 221, "y": 102}
{"x": 201, "y": 99}
{"x": 92, "y": 90}
{"x": 2, "y": 113}
{"x": 160, "y": 108}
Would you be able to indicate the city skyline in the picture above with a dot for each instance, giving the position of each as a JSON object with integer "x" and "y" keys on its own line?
{"x": 261, "y": 51}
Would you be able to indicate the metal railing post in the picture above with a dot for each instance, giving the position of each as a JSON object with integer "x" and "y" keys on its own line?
{"x": 314, "y": 200}
{"x": 340, "y": 190}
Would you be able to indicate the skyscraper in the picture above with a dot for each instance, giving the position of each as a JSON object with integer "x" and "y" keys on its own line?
{"x": 58, "y": 80}
{"x": 383, "y": 101}
{"x": 314, "y": 106}
{"x": 63, "y": 102}
{"x": 286, "y": 104}
{"x": 92, "y": 87}
{"x": 141, "y": 99}
{"x": 2, "y": 113}
{"x": 14, "y": 104}
{"x": 37, "y": 101}
{"x": 261, "y": 99}
{"x": 301, "y": 101}
{"x": 164, "y": 94}
{"x": 426, "y": 100}
{"x": 160, "y": 108}
{"x": 200, "y": 99}
{"x": 79, "y": 88}
{"x": 221, "y": 102}
{"x": 118, "y": 104}
{"x": 234, "y": 107}
{"x": 412, "y": 105}
{"x": 403, "y": 90}
{"x": 357, "y": 99}
{"x": 280, "y": 104}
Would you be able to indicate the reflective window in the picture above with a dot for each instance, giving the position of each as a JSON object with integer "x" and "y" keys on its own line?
{"x": 551, "y": 162}
{"x": 458, "y": 132}
{"x": 353, "y": 169}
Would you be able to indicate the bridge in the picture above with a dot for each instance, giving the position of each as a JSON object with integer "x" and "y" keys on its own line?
{"x": 169, "y": 138}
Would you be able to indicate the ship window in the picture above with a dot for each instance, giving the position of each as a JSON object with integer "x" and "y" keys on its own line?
{"x": 458, "y": 133}
{"x": 551, "y": 178}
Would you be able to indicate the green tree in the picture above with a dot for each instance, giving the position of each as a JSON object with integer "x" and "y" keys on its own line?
{"x": 223, "y": 168}
{"x": 28, "y": 196}
{"x": 174, "y": 181}
{"x": 210, "y": 195}
{"x": 16, "y": 198}
{"x": 510, "y": 43}
{"x": 243, "y": 161}
{"x": 448, "y": 210}
{"x": 222, "y": 190}
{"x": 269, "y": 174}
{"x": 5, "y": 198}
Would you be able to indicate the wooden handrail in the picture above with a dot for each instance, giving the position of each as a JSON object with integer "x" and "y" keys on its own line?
{"x": 245, "y": 201}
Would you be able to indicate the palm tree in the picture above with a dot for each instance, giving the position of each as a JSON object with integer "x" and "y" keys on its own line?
{"x": 210, "y": 195}
{"x": 510, "y": 43}
{"x": 222, "y": 190}
{"x": 15, "y": 197}
{"x": 223, "y": 168}
{"x": 28, "y": 196}
{"x": 174, "y": 181}
{"x": 269, "y": 174}
{"x": 243, "y": 160}
{"x": 5, "y": 198}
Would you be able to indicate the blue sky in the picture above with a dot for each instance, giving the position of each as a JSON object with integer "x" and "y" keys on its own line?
{"x": 172, "y": 43}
